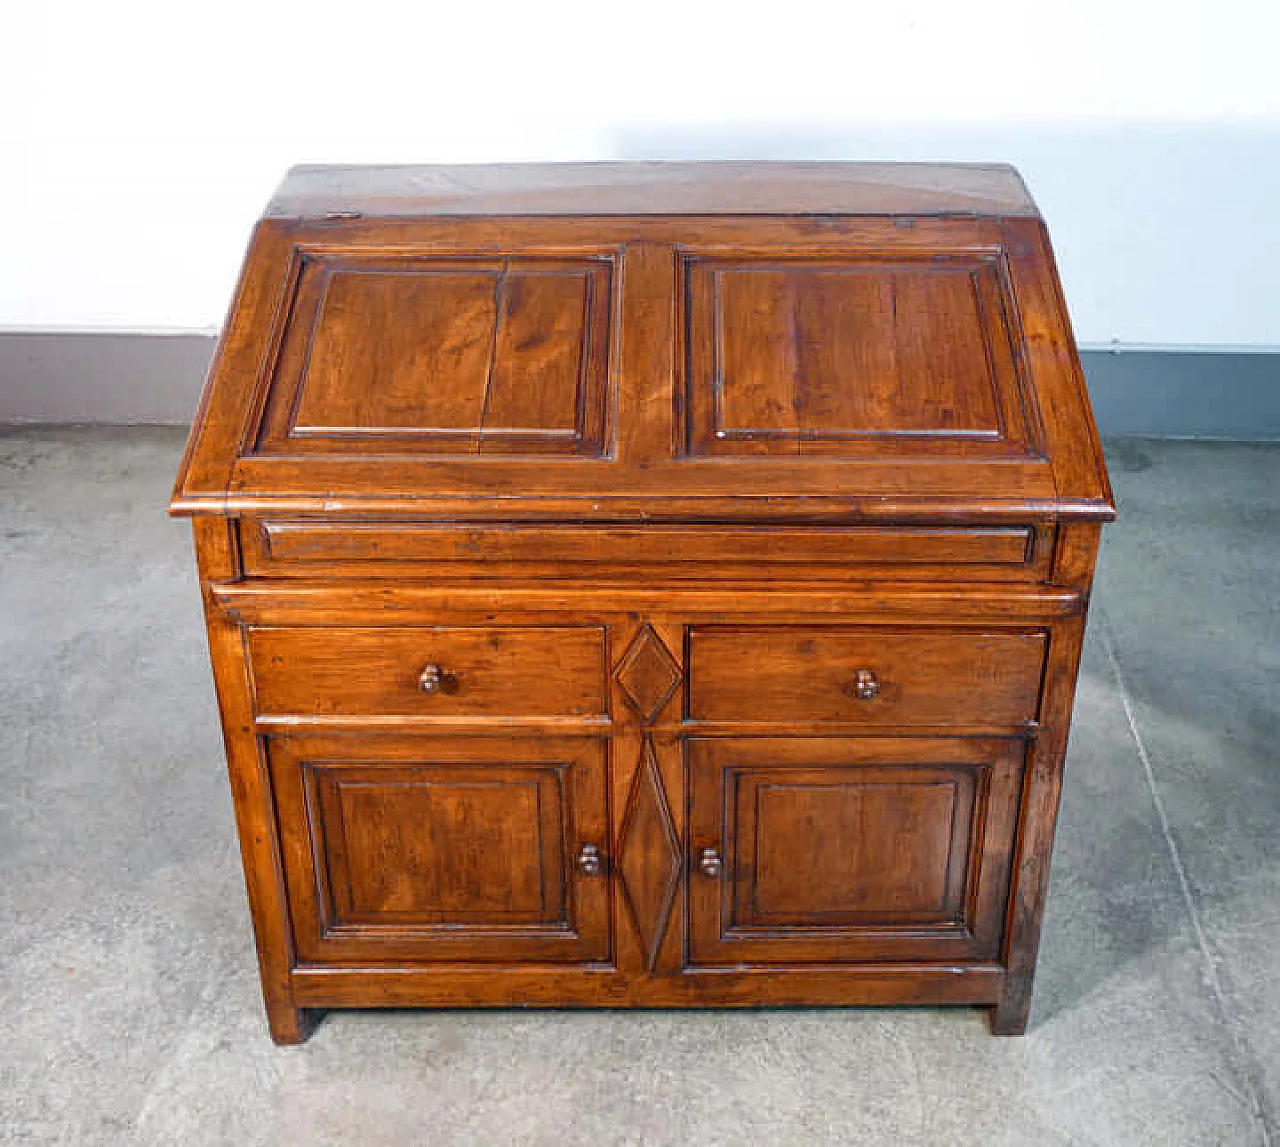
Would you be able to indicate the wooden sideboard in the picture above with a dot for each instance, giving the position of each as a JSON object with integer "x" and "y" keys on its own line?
{"x": 646, "y": 584}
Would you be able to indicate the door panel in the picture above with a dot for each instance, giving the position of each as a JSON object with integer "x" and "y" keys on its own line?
{"x": 847, "y": 846}
{"x": 435, "y": 849}
{"x": 440, "y": 844}
{"x": 850, "y": 849}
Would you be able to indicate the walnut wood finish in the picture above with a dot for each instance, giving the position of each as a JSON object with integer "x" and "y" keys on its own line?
{"x": 838, "y": 851}
{"x": 515, "y": 189}
{"x": 436, "y": 671}
{"x": 646, "y": 585}
{"x": 851, "y": 357}
{"x": 465, "y": 849}
{"x": 522, "y": 342}
{"x": 864, "y": 676}
{"x": 657, "y": 551}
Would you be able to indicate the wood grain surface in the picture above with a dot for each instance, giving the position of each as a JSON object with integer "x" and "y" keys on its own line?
{"x": 646, "y": 585}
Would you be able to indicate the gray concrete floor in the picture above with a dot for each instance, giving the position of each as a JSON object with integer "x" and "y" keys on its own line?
{"x": 129, "y": 1009}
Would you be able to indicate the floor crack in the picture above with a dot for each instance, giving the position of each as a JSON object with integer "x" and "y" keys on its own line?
{"x": 1251, "y": 1091}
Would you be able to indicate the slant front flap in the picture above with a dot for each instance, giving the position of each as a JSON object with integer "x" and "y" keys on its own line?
{"x": 645, "y": 368}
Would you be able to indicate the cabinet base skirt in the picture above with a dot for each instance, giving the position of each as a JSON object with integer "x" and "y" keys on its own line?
{"x": 885, "y": 985}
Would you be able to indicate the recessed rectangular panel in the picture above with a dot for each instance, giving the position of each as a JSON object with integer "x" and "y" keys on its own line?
{"x": 442, "y": 845}
{"x": 854, "y": 845}
{"x": 855, "y": 357}
{"x": 835, "y": 849}
{"x": 430, "y": 354}
{"x": 400, "y": 848}
{"x": 305, "y": 548}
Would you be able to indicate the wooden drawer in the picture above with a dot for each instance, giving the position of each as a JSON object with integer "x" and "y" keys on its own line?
{"x": 430, "y": 671}
{"x": 865, "y": 676}
{"x": 671, "y": 551}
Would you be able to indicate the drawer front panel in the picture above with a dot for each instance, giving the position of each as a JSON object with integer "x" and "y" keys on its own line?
{"x": 432, "y": 671}
{"x": 477, "y": 550}
{"x": 430, "y": 849}
{"x": 834, "y": 849}
{"x": 864, "y": 676}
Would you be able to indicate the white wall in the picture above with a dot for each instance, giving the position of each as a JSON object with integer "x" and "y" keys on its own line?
{"x": 140, "y": 139}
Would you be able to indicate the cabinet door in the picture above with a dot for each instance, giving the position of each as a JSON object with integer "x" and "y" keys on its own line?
{"x": 827, "y": 850}
{"x": 436, "y": 849}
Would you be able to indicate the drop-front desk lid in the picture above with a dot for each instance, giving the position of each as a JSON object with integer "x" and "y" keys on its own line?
{"x": 648, "y": 341}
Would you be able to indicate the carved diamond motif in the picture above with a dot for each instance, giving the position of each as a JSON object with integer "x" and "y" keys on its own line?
{"x": 648, "y": 856}
{"x": 648, "y": 674}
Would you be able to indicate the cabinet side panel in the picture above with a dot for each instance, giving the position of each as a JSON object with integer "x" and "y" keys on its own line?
{"x": 1075, "y": 451}
{"x": 1041, "y": 795}
{"x": 250, "y": 788}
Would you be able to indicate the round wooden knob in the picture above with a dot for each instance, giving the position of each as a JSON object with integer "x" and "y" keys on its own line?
{"x": 866, "y": 685}
{"x": 590, "y": 862}
{"x": 709, "y": 863}
{"x": 431, "y": 679}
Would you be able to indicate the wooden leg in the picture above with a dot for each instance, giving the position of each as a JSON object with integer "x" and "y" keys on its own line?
{"x": 1010, "y": 1015}
{"x": 289, "y": 1025}
{"x": 1035, "y": 840}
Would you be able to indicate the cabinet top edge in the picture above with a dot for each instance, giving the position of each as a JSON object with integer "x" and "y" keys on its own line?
{"x": 642, "y": 511}
{"x": 719, "y": 188}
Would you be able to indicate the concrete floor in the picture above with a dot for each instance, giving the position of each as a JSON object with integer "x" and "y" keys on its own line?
{"x": 129, "y": 1009}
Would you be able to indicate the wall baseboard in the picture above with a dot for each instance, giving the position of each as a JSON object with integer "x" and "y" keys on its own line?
{"x": 101, "y": 376}
{"x": 124, "y": 377}
{"x": 1232, "y": 395}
